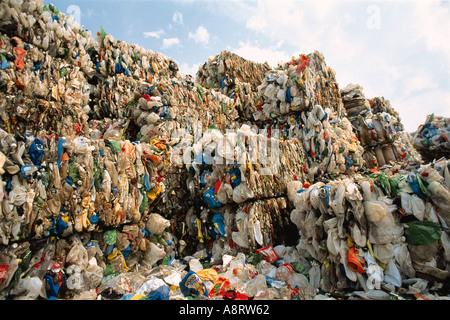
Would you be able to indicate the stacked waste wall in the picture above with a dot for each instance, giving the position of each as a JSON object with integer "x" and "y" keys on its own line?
{"x": 117, "y": 169}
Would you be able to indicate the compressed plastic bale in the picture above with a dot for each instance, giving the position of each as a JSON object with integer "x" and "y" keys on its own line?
{"x": 388, "y": 154}
{"x": 380, "y": 156}
{"x": 282, "y": 80}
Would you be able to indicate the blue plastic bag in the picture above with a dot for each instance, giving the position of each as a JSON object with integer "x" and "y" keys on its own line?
{"x": 52, "y": 288}
{"x": 211, "y": 199}
{"x": 204, "y": 178}
{"x": 162, "y": 293}
{"x": 61, "y": 142}
{"x": 37, "y": 151}
{"x": 235, "y": 177}
{"x": 58, "y": 226}
{"x": 219, "y": 224}
{"x": 192, "y": 284}
{"x": 29, "y": 170}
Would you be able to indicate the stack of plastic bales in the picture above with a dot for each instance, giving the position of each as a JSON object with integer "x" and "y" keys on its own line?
{"x": 384, "y": 230}
{"x": 432, "y": 138}
{"x": 50, "y": 31}
{"x": 297, "y": 85}
{"x": 120, "y": 68}
{"x": 71, "y": 181}
{"x": 122, "y": 179}
{"x": 379, "y": 129}
{"x": 301, "y": 100}
{"x": 178, "y": 104}
{"x": 236, "y": 78}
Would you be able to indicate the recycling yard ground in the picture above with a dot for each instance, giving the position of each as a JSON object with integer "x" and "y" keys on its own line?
{"x": 124, "y": 179}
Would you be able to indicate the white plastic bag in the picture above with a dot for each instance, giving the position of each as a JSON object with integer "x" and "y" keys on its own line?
{"x": 445, "y": 241}
{"x": 28, "y": 288}
{"x": 242, "y": 193}
{"x": 195, "y": 265}
{"x": 374, "y": 272}
{"x": 156, "y": 223}
{"x": 392, "y": 274}
{"x": 153, "y": 255}
{"x": 93, "y": 275}
{"x": 418, "y": 207}
{"x": 78, "y": 256}
{"x": 256, "y": 286}
{"x": 150, "y": 285}
{"x": 314, "y": 276}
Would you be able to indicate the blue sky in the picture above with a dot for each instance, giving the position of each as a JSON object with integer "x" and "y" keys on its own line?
{"x": 396, "y": 49}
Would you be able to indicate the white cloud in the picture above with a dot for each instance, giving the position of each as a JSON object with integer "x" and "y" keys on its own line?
{"x": 413, "y": 110}
{"x": 257, "y": 54}
{"x": 432, "y": 25}
{"x": 177, "y": 17}
{"x": 201, "y": 35}
{"x": 169, "y": 42}
{"x": 153, "y": 34}
{"x": 406, "y": 60}
{"x": 189, "y": 69}
{"x": 256, "y": 23}
{"x": 419, "y": 82}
